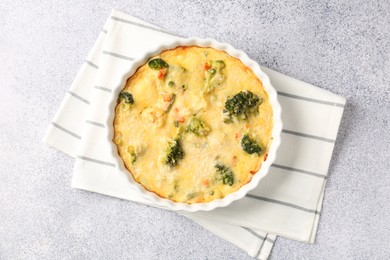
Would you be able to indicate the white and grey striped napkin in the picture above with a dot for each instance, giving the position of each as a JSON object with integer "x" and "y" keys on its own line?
{"x": 287, "y": 202}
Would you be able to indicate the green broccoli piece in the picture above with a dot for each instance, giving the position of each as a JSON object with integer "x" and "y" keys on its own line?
{"x": 157, "y": 64}
{"x": 225, "y": 174}
{"x": 171, "y": 84}
{"x": 176, "y": 185}
{"x": 191, "y": 195}
{"x": 218, "y": 64}
{"x": 174, "y": 152}
{"x": 173, "y": 97}
{"x": 250, "y": 145}
{"x": 214, "y": 76}
{"x": 211, "y": 72}
{"x": 131, "y": 151}
{"x": 197, "y": 126}
{"x": 127, "y": 97}
{"x": 242, "y": 105}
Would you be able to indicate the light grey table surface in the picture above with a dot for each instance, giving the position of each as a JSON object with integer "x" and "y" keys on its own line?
{"x": 342, "y": 46}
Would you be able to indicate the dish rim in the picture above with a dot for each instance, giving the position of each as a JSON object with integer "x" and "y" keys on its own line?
{"x": 276, "y": 131}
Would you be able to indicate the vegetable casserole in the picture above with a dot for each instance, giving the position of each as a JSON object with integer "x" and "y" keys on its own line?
{"x": 193, "y": 124}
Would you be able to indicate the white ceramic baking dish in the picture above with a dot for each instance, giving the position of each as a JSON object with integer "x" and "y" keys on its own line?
{"x": 277, "y": 125}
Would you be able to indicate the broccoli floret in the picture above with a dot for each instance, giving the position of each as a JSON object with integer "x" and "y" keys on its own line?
{"x": 225, "y": 174}
{"x": 127, "y": 97}
{"x": 242, "y": 105}
{"x": 131, "y": 151}
{"x": 214, "y": 76}
{"x": 250, "y": 145}
{"x": 197, "y": 127}
{"x": 174, "y": 153}
{"x": 218, "y": 64}
{"x": 171, "y": 84}
{"x": 157, "y": 64}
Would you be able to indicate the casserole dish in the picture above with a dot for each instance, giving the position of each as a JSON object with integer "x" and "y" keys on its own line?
{"x": 174, "y": 184}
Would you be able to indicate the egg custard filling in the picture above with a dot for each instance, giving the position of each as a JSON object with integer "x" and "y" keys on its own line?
{"x": 193, "y": 124}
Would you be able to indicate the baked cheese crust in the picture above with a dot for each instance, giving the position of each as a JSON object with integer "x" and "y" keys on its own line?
{"x": 193, "y": 124}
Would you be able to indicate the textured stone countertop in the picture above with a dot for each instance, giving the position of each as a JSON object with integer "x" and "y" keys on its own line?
{"x": 342, "y": 46}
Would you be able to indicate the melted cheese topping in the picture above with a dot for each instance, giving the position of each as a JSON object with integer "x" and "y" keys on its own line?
{"x": 144, "y": 129}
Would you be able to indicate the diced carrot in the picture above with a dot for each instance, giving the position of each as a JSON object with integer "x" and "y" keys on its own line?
{"x": 265, "y": 156}
{"x": 252, "y": 172}
{"x": 181, "y": 119}
{"x": 247, "y": 125}
{"x": 167, "y": 97}
{"x": 237, "y": 135}
{"x": 176, "y": 109}
{"x": 161, "y": 73}
{"x": 205, "y": 182}
{"x": 207, "y": 66}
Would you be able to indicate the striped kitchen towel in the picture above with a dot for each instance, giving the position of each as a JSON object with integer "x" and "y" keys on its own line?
{"x": 287, "y": 202}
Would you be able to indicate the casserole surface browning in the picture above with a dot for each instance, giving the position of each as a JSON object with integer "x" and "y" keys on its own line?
{"x": 193, "y": 124}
